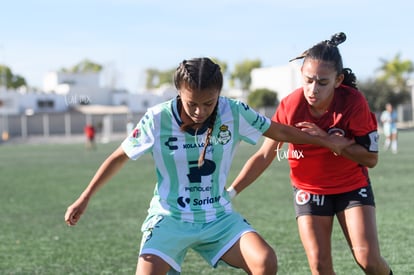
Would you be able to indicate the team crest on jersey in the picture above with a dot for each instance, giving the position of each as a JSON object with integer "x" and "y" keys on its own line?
{"x": 302, "y": 197}
{"x": 224, "y": 136}
{"x": 336, "y": 131}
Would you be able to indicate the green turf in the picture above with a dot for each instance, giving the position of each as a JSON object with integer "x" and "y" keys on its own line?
{"x": 38, "y": 182}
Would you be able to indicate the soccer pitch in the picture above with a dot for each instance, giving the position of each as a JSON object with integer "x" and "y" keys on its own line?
{"x": 38, "y": 182}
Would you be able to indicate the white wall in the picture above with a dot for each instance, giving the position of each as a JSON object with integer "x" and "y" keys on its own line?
{"x": 77, "y": 95}
{"x": 53, "y": 79}
{"x": 9, "y": 103}
{"x": 17, "y": 103}
{"x": 138, "y": 103}
{"x": 77, "y": 88}
{"x": 282, "y": 79}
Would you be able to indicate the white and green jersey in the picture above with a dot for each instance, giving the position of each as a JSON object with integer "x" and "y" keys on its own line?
{"x": 184, "y": 190}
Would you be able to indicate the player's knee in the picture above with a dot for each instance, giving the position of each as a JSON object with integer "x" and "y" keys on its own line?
{"x": 271, "y": 262}
{"x": 321, "y": 268}
{"x": 321, "y": 265}
{"x": 371, "y": 267}
{"x": 266, "y": 264}
{"x": 370, "y": 264}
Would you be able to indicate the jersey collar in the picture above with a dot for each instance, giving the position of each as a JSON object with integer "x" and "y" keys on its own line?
{"x": 176, "y": 108}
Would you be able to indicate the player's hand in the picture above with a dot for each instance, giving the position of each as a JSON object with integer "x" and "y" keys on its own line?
{"x": 311, "y": 128}
{"x": 338, "y": 143}
{"x": 75, "y": 211}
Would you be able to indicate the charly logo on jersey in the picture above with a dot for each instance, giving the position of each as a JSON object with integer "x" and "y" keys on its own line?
{"x": 363, "y": 192}
{"x": 170, "y": 143}
{"x": 302, "y": 197}
{"x": 224, "y": 135}
{"x": 183, "y": 202}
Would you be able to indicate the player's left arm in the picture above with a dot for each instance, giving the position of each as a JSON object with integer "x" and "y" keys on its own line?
{"x": 363, "y": 127}
{"x": 364, "y": 151}
{"x": 361, "y": 154}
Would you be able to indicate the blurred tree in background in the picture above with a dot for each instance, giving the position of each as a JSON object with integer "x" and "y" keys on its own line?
{"x": 390, "y": 85}
{"x": 262, "y": 98}
{"x": 155, "y": 78}
{"x": 85, "y": 66}
{"x": 241, "y": 73}
{"x": 10, "y": 80}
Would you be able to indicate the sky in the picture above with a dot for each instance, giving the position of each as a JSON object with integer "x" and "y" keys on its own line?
{"x": 129, "y": 36}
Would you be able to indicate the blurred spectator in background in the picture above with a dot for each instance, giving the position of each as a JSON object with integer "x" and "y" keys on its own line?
{"x": 90, "y": 136}
{"x": 389, "y": 125}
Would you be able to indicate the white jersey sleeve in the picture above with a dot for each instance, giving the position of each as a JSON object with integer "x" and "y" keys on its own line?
{"x": 141, "y": 139}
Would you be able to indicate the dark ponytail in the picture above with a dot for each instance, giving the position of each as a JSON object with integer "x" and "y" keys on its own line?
{"x": 212, "y": 120}
{"x": 328, "y": 51}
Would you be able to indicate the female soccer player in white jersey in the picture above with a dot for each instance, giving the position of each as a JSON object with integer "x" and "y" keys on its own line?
{"x": 193, "y": 138}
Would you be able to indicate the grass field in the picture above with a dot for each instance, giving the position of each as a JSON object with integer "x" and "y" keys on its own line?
{"x": 38, "y": 182}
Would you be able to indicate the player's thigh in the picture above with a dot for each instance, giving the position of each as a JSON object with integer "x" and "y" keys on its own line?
{"x": 359, "y": 226}
{"x": 250, "y": 250}
{"x": 151, "y": 264}
{"x": 315, "y": 234}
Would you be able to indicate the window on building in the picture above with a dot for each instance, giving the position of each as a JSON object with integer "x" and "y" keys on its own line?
{"x": 45, "y": 104}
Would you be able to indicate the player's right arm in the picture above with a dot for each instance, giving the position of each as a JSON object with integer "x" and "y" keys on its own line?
{"x": 107, "y": 169}
{"x": 256, "y": 164}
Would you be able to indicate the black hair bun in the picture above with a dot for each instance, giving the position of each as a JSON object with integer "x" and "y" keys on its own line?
{"x": 337, "y": 39}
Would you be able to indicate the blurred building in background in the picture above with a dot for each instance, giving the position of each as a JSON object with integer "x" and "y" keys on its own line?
{"x": 67, "y": 102}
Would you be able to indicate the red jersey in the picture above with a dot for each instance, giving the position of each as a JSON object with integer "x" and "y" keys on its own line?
{"x": 89, "y": 131}
{"x": 314, "y": 168}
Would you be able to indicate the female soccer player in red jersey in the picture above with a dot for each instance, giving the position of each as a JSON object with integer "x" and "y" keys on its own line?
{"x": 326, "y": 184}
